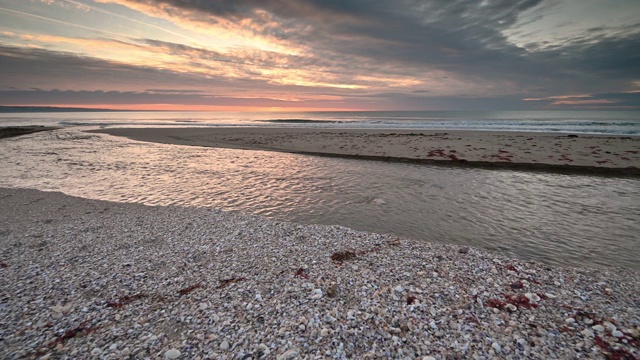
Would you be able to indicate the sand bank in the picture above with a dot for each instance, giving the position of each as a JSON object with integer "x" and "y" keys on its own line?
{"x": 84, "y": 278}
{"x": 544, "y": 151}
{"x": 11, "y": 131}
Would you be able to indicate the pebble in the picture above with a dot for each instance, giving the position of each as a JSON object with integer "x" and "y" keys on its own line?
{"x": 598, "y": 328}
{"x": 533, "y": 297}
{"x": 609, "y": 326}
{"x": 289, "y": 354}
{"x": 617, "y": 333}
{"x": 172, "y": 354}
{"x": 608, "y": 291}
{"x": 317, "y": 294}
{"x": 587, "y": 333}
{"x": 265, "y": 309}
{"x": 332, "y": 290}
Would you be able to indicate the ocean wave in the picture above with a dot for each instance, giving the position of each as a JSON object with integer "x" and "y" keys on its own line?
{"x": 301, "y": 121}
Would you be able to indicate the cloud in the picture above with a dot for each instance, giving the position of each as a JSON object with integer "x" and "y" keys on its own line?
{"x": 396, "y": 54}
{"x": 461, "y": 38}
{"x": 613, "y": 100}
{"x": 435, "y": 40}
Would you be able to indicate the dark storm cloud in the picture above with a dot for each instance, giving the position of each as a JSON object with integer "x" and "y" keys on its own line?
{"x": 607, "y": 56}
{"x": 464, "y": 37}
{"x": 431, "y": 32}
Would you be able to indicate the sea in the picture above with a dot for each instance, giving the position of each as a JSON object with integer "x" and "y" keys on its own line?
{"x": 558, "y": 219}
{"x": 592, "y": 122}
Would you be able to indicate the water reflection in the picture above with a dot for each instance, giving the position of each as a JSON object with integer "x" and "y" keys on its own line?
{"x": 559, "y": 219}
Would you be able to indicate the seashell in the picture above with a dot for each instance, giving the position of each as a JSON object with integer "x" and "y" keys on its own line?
{"x": 317, "y": 294}
{"x": 533, "y": 297}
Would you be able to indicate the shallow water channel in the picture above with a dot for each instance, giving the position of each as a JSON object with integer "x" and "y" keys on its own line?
{"x": 558, "y": 219}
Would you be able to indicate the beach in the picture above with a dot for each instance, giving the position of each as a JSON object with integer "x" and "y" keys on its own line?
{"x": 86, "y": 278}
{"x": 605, "y": 154}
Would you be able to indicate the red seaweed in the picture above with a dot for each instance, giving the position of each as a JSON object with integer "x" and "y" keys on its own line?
{"x": 511, "y": 268}
{"x": 127, "y": 299}
{"x": 300, "y": 273}
{"x": 69, "y": 334}
{"x": 411, "y": 299}
{"x": 189, "y": 289}
{"x": 437, "y": 152}
{"x": 612, "y": 353}
{"x": 495, "y": 303}
{"x": 520, "y": 301}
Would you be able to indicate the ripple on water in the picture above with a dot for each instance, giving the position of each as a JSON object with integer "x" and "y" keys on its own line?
{"x": 559, "y": 219}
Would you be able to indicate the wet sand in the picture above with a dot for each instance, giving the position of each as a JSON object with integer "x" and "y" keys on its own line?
{"x": 11, "y": 131}
{"x": 601, "y": 154}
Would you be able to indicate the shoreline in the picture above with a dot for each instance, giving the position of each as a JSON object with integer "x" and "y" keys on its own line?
{"x": 12, "y": 131}
{"x": 126, "y": 280}
{"x": 547, "y": 152}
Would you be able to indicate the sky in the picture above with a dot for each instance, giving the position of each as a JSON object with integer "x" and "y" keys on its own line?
{"x": 321, "y": 55}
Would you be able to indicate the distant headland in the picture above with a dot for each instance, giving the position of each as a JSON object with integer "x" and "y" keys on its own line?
{"x": 44, "y": 109}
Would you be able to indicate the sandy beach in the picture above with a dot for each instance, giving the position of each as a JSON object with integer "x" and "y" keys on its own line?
{"x": 85, "y": 278}
{"x": 533, "y": 151}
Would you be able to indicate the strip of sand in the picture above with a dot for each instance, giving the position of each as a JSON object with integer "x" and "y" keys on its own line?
{"x": 11, "y": 131}
{"x": 544, "y": 151}
{"x": 94, "y": 279}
